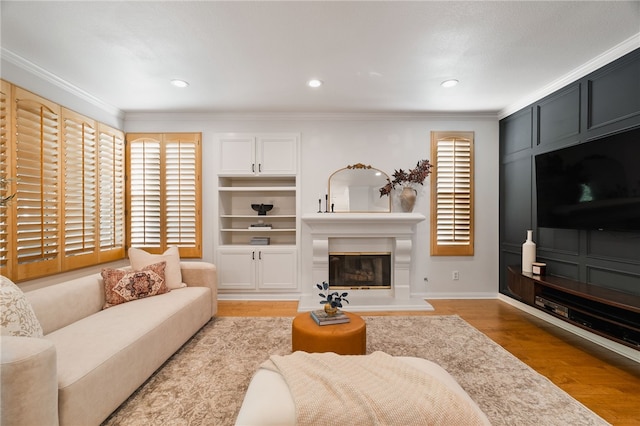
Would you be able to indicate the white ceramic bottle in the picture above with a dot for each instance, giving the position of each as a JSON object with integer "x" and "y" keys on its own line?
{"x": 528, "y": 253}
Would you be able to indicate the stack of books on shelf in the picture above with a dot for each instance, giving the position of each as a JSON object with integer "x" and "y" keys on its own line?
{"x": 260, "y": 226}
{"x": 260, "y": 241}
{"x": 321, "y": 318}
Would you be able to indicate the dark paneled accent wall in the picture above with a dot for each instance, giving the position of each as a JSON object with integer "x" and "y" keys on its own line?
{"x": 604, "y": 102}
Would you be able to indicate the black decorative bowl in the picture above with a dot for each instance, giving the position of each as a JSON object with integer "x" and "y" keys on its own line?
{"x": 262, "y": 209}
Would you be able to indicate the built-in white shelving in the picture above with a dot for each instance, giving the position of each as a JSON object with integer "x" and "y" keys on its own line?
{"x": 257, "y": 169}
{"x": 237, "y": 194}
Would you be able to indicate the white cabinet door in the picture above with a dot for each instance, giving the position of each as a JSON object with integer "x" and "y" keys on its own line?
{"x": 258, "y": 155}
{"x": 237, "y": 155}
{"x": 277, "y": 155}
{"x": 261, "y": 268}
{"x": 236, "y": 268}
{"x": 277, "y": 269}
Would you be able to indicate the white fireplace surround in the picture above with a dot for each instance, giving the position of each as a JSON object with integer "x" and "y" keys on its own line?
{"x": 365, "y": 232}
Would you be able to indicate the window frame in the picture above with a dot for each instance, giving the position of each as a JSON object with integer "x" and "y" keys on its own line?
{"x": 35, "y": 156}
{"x": 111, "y": 187}
{"x": 79, "y": 139}
{"x": 164, "y": 141}
{"x": 36, "y": 211}
{"x": 7, "y": 229}
{"x": 454, "y": 247}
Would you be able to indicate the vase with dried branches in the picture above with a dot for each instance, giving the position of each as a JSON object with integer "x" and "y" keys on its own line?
{"x": 407, "y": 180}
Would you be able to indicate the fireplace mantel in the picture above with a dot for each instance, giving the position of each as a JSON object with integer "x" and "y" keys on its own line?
{"x": 381, "y": 224}
{"x": 398, "y": 228}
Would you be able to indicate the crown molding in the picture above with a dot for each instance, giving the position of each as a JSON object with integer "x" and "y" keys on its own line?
{"x": 53, "y": 79}
{"x": 596, "y": 63}
{"x": 307, "y": 116}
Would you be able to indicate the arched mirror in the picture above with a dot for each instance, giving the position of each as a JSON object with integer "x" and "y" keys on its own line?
{"x": 357, "y": 189}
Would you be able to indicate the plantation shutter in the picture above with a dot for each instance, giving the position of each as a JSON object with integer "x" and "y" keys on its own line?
{"x": 67, "y": 174}
{"x": 182, "y": 193}
{"x": 111, "y": 170}
{"x": 5, "y": 174}
{"x": 37, "y": 156}
{"x": 164, "y": 192}
{"x": 80, "y": 190}
{"x": 145, "y": 201}
{"x": 452, "y": 194}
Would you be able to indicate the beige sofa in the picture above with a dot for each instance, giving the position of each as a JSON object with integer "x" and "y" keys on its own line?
{"x": 91, "y": 360}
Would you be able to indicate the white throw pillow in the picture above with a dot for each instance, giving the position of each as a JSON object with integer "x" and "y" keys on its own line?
{"x": 16, "y": 314}
{"x": 173, "y": 276}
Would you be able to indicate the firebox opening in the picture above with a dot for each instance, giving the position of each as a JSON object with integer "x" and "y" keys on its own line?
{"x": 360, "y": 270}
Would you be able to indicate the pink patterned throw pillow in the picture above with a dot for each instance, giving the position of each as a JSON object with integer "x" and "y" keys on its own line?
{"x": 124, "y": 286}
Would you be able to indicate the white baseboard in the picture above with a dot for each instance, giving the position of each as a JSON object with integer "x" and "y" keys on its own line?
{"x": 370, "y": 304}
{"x": 259, "y": 297}
{"x": 623, "y": 350}
{"x": 466, "y": 295}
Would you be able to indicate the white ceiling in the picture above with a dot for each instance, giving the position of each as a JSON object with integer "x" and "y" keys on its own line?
{"x": 374, "y": 56}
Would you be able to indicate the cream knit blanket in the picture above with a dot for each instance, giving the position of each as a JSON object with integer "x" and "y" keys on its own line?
{"x": 375, "y": 389}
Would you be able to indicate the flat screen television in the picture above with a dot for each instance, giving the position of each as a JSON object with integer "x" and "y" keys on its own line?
{"x": 593, "y": 185}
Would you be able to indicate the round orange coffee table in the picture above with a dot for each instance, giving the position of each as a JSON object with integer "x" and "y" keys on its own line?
{"x": 345, "y": 339}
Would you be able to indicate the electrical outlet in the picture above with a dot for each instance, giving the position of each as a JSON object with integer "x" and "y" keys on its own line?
{"x": 455, "y": 275}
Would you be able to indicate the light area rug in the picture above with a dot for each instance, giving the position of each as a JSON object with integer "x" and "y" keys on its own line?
{"x": 205, "y": 381}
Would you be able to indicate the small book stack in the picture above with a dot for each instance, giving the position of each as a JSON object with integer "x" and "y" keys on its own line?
{"x": 260, "y": 226}
{"x": 260, "y": 241}
{"x": 321, "y": 318}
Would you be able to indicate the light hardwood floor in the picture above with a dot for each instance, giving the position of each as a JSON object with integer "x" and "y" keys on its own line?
{"x": 607, "y": 383}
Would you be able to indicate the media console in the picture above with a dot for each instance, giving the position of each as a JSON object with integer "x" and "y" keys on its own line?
{"x": 605, "y": 312}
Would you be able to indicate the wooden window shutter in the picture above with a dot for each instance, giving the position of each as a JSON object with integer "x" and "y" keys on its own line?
{"x": 111, "y": 182}
{"x": 80, "y": 189}
{"x": 67, "y": 173}
{"x": 182, "y": 193}
{"x": 38, "y": 200}
{"x": 145, "y": 201}
{"x": 164, "y": 196}
{"x": 6, "y": 229}
{"x": 452, "y": 194}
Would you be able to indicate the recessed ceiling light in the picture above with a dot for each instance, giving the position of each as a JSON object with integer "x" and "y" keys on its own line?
{"x": 449, "y": 83}
{"x": 179, "y": 83}
{"x": 314, "y": 83}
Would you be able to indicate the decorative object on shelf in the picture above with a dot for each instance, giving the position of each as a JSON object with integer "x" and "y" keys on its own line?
{"x": 408, "y": 180}
{"x": 528, "y": 252}
{"x": 4, "y": 185}
{"x": 331, "y": 301}
{"x": 408, "y": 199}
{"x": 260, "y": 225}
{"x": 260, "y": 241}
{"x": 330, "y": 310}
{"x": 353, "y": 189}
{"x": 539, "y": 268}
{"x": 262, "y": 209}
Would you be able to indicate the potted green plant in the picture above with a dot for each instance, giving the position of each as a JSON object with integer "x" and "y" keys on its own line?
{"x": 331, "y": 300}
